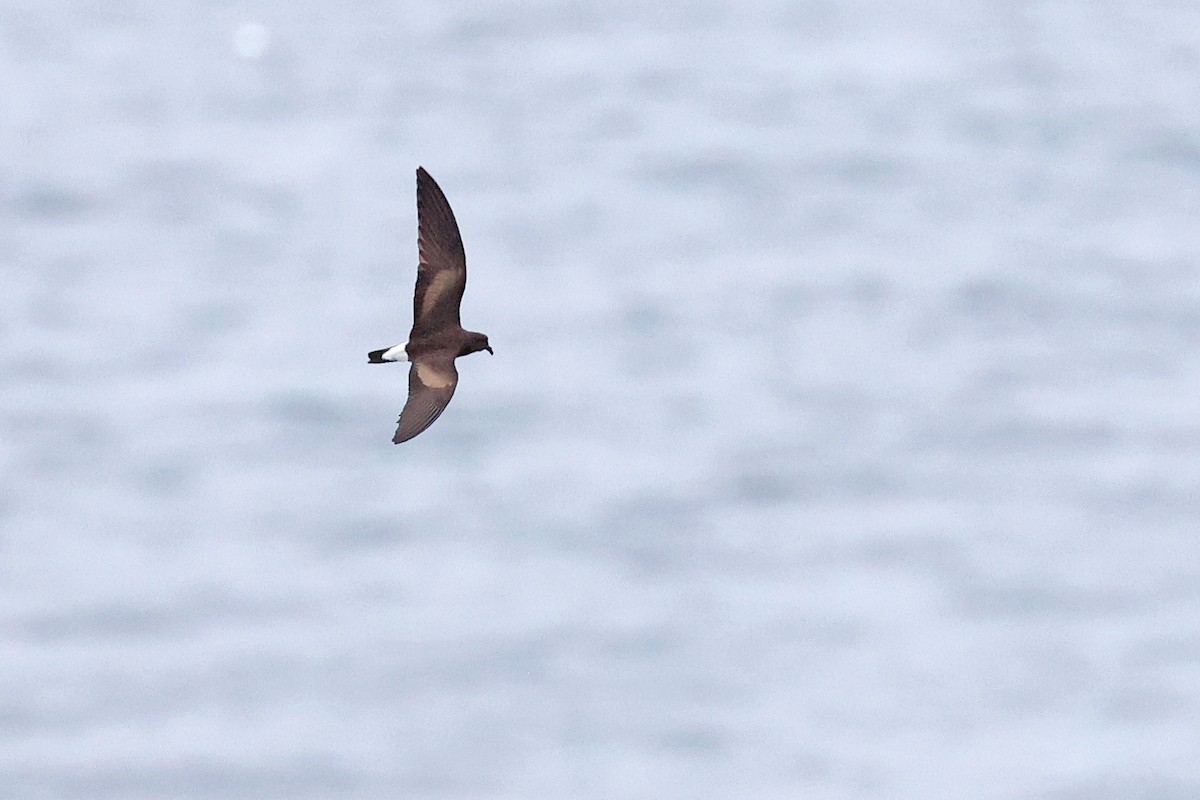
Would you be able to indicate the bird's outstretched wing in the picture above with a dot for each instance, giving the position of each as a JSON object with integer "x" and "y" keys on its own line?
{"x": 442, "y": 271}
{"x": 431, "y": 384}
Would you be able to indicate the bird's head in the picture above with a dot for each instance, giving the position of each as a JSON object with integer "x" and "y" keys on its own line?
{"x": 477, "y": 342}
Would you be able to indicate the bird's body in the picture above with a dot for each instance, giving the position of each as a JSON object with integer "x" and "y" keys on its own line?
{"x": 437, "y": 336}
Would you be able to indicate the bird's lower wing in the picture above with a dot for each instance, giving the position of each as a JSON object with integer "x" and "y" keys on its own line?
{"x": 430, "y": 386}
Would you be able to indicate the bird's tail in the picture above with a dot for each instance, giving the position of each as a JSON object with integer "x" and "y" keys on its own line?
{"x": 388, "y": 354}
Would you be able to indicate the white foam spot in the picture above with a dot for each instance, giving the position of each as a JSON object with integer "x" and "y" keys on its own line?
{"x": 251, "y": 40}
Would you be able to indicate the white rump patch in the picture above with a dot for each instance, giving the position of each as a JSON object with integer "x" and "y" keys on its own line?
{"x": 397, "y": 353}
{"x": 433, "y": 378}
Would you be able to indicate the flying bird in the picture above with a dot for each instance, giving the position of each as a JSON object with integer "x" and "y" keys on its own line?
{"x": 437, "y": 336}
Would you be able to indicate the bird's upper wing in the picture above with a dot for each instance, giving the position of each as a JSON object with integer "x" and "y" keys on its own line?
{"x": 442, "y": 271}
{"x": 431, "y": 384}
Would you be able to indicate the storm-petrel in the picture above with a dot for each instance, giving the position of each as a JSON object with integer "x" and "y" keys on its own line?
{"x": 437, "y": 336}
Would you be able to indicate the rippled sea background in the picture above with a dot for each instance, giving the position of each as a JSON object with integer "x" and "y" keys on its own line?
{"x": 841, "y": 441}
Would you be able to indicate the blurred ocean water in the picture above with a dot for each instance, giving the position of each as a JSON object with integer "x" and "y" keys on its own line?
{"x": 840, "y": 441}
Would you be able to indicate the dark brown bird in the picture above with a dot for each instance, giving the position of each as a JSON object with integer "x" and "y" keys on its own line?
{"x": 437, "y": 336}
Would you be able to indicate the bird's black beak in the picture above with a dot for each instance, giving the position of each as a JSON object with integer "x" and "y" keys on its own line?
{"x": 489, "y": 349}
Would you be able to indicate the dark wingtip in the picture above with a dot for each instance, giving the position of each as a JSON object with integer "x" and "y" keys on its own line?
{"x": 424, "y": 181}
{"x": 376, "y": 356}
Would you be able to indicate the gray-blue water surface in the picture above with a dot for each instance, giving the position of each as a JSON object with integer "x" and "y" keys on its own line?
{"x": 841, "y": 439}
